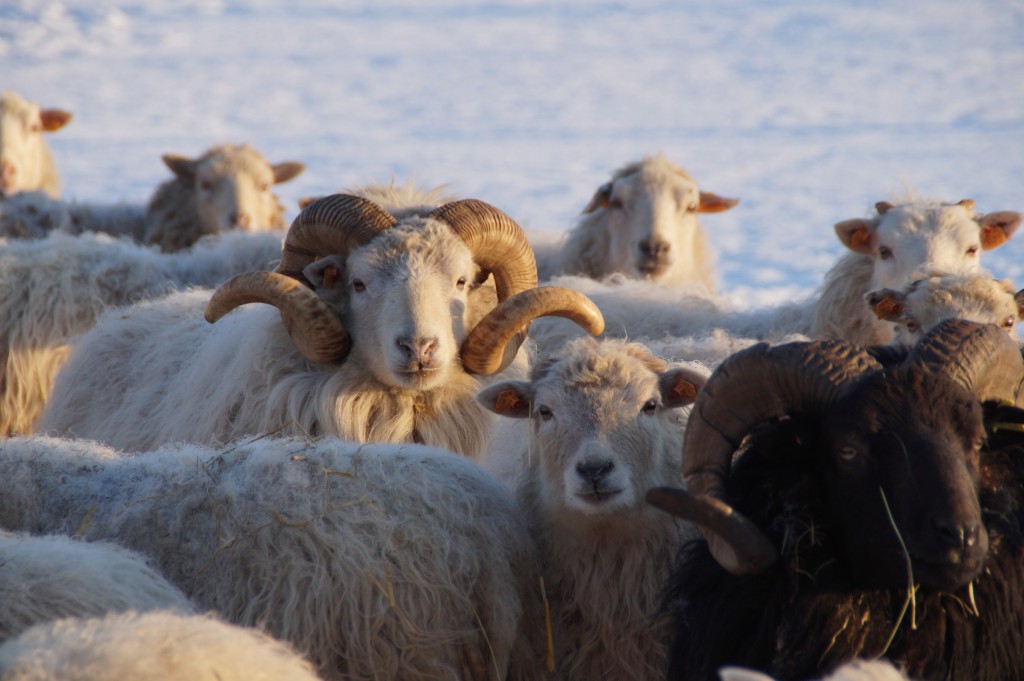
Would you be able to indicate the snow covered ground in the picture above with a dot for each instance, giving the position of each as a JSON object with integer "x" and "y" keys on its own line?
{"x": 809, "y": 111}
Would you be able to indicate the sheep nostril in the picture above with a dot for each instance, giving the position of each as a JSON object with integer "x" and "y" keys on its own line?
{"x": 593, "y": 472}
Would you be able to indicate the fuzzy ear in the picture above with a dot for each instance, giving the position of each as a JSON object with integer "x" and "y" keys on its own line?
{"x": 325, "y": 272}
{"x": 998, "y": 227}
{"x": 713, "y": 203}
{"x": 883, "y": 207}
{"x": 679, "y": 387}
{"x": 509, "y": 398}
{"x": 1018, "y": 297}
{"x": 887, "y": 304}
{"x": 54, "y": 119}
{"x": 286, "y": 170}
{"x": 856, "y": 234}
{"x": 600, "y": 198}
{"x": 181, "y": 166}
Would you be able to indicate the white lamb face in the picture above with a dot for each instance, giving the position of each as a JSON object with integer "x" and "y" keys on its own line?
{"x": 22, "y": 148}
{"x": 409, "y": 294}
{"x": 915, "y": 239}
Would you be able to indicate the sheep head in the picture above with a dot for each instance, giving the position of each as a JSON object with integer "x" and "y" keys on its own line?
{"x": 651, "y": 208}
{"x": 23, "y": 152}
{"x": 605, "y": 426}
{"x": 423, "y": 296}
{"x": 912, "y": 238}
{"x": 232, "y": 186}
{"x": 911, "y": 433}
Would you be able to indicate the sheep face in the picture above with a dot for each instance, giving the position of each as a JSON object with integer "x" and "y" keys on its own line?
{"x": 232, "y": 187}
{"x": 651, "y": 209}
{"x": 910, "y": 240}
{"x": 411, "y": 294}
{"x": 925, "y": 303}
{"x": 604, "y": 420}
{"x": 24, "y": 157}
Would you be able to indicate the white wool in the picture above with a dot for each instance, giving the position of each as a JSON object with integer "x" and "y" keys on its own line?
{"x": 44, "y": 578}
{"x": 154, "y": 646}
{"x": 858, "y": 670}
{"x": 375, "y": 561}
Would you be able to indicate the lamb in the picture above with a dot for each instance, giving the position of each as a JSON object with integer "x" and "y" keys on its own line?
{"x": 604, "y": 426}
{"x": 26, "y": 163}
{"x": 385, "y": 322}
{"x": 642, "y": 223}
{"x": 227, "y": 188}
{"x": 862, "y": 492}
{"x": 374, "y": 561}
{"x": 154, "y": 646}
{"x": 924, "y": 303}
{"x": 54, "y": 289}
{"x": 51, "y": 577}
{"x": 902, "y": 243}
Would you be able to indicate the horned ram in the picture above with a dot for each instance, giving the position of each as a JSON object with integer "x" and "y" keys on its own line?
{"x": 382, "y": 326}
{"x": 855, "y": 509}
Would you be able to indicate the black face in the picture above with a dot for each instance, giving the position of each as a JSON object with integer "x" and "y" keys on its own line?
{"x": 900, "y": 459}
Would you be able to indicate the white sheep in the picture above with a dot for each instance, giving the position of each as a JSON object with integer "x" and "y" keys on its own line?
{"x": 604, "y": 427}
{"x": 35, "y": 214}
{"x": 922, "y": 304}
{"x": 26, "y": 163}
{"x": 902, "y": 243}
{"x": 375, "y": 561}
{"x": 44, "y": 578}
{"x": 226, "y": 188}
{"x": 55, "y": 288}
{"x": 153, "y": 646}
{"x": 859, "y": 670}
{"x": 642, "y": 223}
{"x": 404, "y": 311}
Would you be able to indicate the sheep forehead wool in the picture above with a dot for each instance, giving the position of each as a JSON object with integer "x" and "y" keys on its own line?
{"x": 403, "y": 201}
{"x": 415, "y": 248}
{"x": 157, "y": 646}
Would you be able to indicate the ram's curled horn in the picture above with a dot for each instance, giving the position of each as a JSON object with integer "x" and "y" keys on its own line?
{"x": 980, "y": 357}
{"x": 752, "y": 386}
{"x": 314, "y": 328}
{"x": 333, "y": 225}
{"x": 487, "y": 349}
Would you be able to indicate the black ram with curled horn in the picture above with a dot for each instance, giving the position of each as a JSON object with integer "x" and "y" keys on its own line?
{"x": 853, "y": 508}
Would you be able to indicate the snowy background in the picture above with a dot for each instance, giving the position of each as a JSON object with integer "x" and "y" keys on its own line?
{"x": 809, "y": 111}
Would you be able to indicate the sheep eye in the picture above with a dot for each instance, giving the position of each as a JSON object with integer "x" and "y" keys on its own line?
{"x": 35, "y": 127}
{"x": 972, "y": 251}
{"x": 544, "y": 412}
{"x": 358, "y": 285}
{"x": 1009, "y": 322}
{"x": 848, "y": 453}
{"x": 979, "y": 443}
{"x": 650, "y": 406}
{"x": 614, "y": 204}
{"x": 264, "y": 186}
{"x": 692, "y": 207}
{"x": 206, "y": 185}
{"x": 461, "y": 283}
{"x": 884, "y": 252}
{"x": 913, "y": 326}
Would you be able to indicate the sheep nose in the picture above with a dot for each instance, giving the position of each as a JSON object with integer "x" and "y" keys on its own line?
{"x": 419, "y": 349}
{"x": 955, "y": 535}
{"x": 7, "y": 172}
{"x": 654, "y": 248}
{"x": 242, "y": 220}
{"x": 594, "y": 471}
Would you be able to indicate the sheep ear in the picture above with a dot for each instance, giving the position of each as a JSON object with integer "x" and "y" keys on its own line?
{"x": 325, "y": 272}
{"x": 1018, "y": 297}
{"x": 887, "y": 304}
{"x": 54, "y": 119}
{"x": 998, "y": 227}
{"x": 306, "y": 200}
{"x": 713, "y": 203}
{"x": 679, "y": 387}
{"x": 181, "y": 166}
{"x": 287, "y": 170}
{"x": 600, "y": 198}
{"x": 509, "y": 398}
{"x": 883, "y": 207}
{"x": 857, "y": 234}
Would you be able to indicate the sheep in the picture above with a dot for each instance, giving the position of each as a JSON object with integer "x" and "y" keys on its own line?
{"x": 26, "y": 163}
{"x": 374, "y": 561}
{"x": 604, "y": 426}
{"x": 55, "y": 288}
{"x": 642, "y": 223}
{"x": 50, "y": 577}
{"x": 901, "y": 244}
{"x": 35, "y": 214}
{"x": 924, "y": 303}
{"x": 857, "y": 493}
{"x": 432, "y": 300}
{"x": 153, "y": 646}
{"x": 227, "y": 188}
{"x": 860, "y": 670}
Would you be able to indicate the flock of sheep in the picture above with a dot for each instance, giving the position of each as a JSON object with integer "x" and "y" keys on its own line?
{"x": 414, "y": 461}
